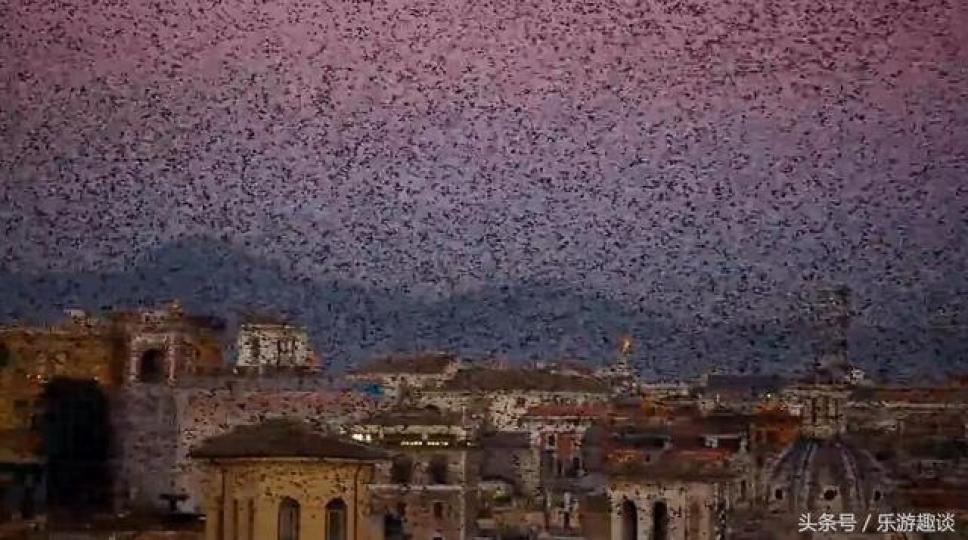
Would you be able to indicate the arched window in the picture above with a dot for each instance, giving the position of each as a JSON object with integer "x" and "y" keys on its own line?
{"x": 288, "y": 519}
{"x": 336, "y": 520}
{"x": 630, "y": 520}
{"x": 151, "y": 366}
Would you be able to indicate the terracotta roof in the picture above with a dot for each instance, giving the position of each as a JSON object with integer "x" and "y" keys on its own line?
{"x": 712, "y": 425}
{"x": 591, "y": 410}
{"x": 423, "y": 364}
{"x": 535, "y": 380}
{"x": 283, "y": 438}
{"x": 695, "y": 465}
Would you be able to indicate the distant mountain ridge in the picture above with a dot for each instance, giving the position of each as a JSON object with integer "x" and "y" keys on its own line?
{"x": 350, "y": 323}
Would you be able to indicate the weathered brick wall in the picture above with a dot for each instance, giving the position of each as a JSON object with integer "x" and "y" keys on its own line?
{"x": 145, "y": 420}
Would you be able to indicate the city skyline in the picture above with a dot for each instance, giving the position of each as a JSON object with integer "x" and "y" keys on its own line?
{"x": 694, "y": 166}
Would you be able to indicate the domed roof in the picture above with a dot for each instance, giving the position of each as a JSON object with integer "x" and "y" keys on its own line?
{"x": 826, "y": 475}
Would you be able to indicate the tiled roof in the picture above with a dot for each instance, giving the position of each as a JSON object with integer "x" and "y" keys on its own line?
{"x": 518, "y": 379}
{"x": 283, "y": 438}
{"x": 695, "y": 465}
{"x": 591, "y": 410}
{"x": 414, "y": 417}
{"x": 423, "y": 364}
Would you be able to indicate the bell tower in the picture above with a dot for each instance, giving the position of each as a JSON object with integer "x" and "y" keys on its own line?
{"x": 831, "y": 319}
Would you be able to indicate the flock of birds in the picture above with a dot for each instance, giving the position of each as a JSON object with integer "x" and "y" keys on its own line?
{"x": 688, "y": 161}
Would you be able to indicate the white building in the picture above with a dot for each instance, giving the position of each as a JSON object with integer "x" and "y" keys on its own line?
{"x": 273, "y": 344}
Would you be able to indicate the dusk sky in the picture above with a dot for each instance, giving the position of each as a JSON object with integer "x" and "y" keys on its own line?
{"x": 691, "y": 163}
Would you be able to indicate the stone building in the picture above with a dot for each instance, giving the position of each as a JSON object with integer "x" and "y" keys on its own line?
{"x": 681, "y": 495}
{"x": 503, "y": 396}
{"x": 269, "y": 342}
{"x": 281, "y": 480}
{"x": 160, "y": 344}
{"x": 429, "y": 489}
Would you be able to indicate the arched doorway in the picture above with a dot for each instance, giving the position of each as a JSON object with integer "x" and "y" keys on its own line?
{"x": 336, "y": 520}
{"x": 630, "y": 520}
{"x": 151, "y": 366}
{"x": 660, "y": 520}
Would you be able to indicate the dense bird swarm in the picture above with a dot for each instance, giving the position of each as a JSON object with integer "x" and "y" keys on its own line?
{"x": 511, "y": 178}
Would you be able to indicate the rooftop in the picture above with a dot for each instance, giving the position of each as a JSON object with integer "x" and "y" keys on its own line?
{"x": 422, "y": 364}
{"x": 522, "y": 379}
{"x": 744, "y": 383}
{"x": 708, "y": 464}
{"x": 590, "y": 410}
{"x": 429, "y": 416}
{"x": 283, "y": 438}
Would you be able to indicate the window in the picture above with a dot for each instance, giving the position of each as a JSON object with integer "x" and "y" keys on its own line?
{"x": 438, "y": 510}
{"x": 255, "y": 347}
{"x": 778, "y": 494}
{"x": 150, "y": 366}
{"x": 830, "y": 494}
{"x": 401, "y": 470}
{"x": 288, "y": 519}
{"x": 575, "y": 466}
{"x": 236, "y": 525}
{"x": 660, "y": 521}
{"x": 438, "y": 469}
{"x": 877, "y": 495}
{"x": 336, "y": 520}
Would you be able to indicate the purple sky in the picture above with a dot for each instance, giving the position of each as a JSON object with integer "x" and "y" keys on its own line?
{"x": 666, "y": 150}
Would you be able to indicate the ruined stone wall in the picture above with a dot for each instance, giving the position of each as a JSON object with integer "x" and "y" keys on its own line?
{"x": 145, "y": 423}
{"x": 691, "y": 508}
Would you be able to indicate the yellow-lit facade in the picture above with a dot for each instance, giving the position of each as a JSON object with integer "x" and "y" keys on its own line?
{"x": 288, "y": 499}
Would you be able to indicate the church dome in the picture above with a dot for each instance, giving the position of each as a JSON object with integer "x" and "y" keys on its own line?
{"x": 825, "y": 475}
